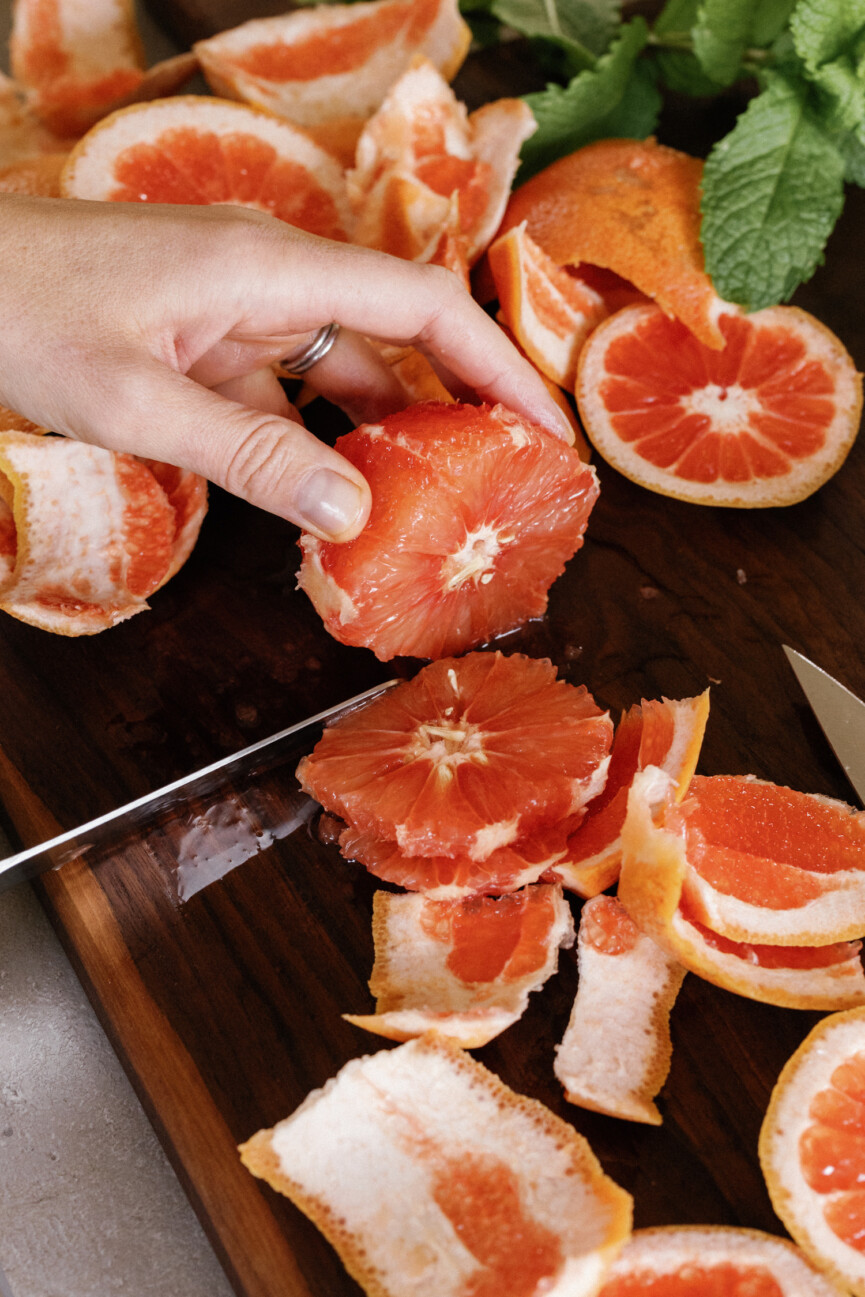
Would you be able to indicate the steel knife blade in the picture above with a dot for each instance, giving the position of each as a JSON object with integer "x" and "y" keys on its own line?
{"x": 840, "y": 713}
{"x": 118, "y": 824}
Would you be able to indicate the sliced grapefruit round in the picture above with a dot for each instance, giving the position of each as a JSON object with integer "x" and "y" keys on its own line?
{"x": 764, "y": 421}
{"x": 615, "y": 1054}
{"x": 550, "y": 312}
{"x": 651, "y": 884}
{"x": 633, "y": 207}
{"x": 193, "y": 149}
{"x": 470, "y": 755}
{"x": 812, "y": 1147}
{"x": 659, "y": 732}
{"x": 474, "y": 514}
{"x": 462, "y": 969}
{"x": 712, "y": 1261}
{"x": 332, "y": 63}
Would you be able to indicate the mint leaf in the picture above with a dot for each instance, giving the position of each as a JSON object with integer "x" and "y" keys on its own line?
{"x": 824, "y": 30}
{"x": 772, "y": 191}
{"x": 721, "y": 34}
{"x": 608, "y": 99}
{"x": 582, "y": 28}
{"x": 680, "y": 68}
{"x": 770, "y": 19}
{"x": 852, "y": 150}
{"x": 841, "y": 94}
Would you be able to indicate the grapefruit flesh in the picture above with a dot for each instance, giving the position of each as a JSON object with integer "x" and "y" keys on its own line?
{"x": 474, "y": 514}
{"x": 195, "y": 150}
{"x": 763, "y": 421}
{"x": 470, "y": 755}
{"x": 632, "y": 207}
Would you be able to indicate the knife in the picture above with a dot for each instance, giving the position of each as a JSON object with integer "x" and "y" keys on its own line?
{"x": 110, "y": 828}
{"x": 840, "y": 713}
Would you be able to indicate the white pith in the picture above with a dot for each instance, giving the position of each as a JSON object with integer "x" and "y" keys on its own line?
{"x": 475, "y": 558}
{"x": 729, "y": 408}
{"x": 447, "y": 746}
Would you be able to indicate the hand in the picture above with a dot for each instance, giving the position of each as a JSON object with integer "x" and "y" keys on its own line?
{"x": 151, "y": 329}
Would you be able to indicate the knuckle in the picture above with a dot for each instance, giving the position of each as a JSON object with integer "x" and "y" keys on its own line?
{"x": 258, "y": 462}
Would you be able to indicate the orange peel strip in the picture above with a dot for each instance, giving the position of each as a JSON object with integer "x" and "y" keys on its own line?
{"x": 550, "y": 312}
{"x": 463, "y": 969}
{"x": 695, "y": 1260}
{"x": 615, "y": 1054}
{"x": 632, "y": 207}
{"x": 200, "y": 150}
{"x": 654, "y": 870}
{"x": 816, "y": 1113}
{"x": 332, "y": 63}
{"x": 75, "y": 58}
{"x": 427, "y": 1173}
{"x": 665, "y": 732}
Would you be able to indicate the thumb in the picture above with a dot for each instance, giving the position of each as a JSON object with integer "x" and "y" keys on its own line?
{"x": 270, "y": 460}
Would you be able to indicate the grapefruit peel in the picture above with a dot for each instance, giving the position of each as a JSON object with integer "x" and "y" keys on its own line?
{"x": 820, "y": 1094}
{"x": 654, "y": 869}
{"x": 615, "y": 1053}
{"x": 462, "y": 969}
{"x": 420, "y": 1155}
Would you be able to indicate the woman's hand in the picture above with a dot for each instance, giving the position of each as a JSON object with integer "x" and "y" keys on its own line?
{"x": 151, "y": 329}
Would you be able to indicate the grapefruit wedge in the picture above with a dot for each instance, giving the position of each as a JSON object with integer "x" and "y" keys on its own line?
{"x": 22, "y": 135}
{"x": 764, "y": 421}
{"x": 427, "y": 1174}
{"x": 633, "y": 207}
{"x": 39, "y": 175}
{"x": 713, "y": 1261}
{"x": 332, "y": 65}
{"x": 615, "y": 1054}
{"x": 474, "y": 514}
{"x": 812, "y": 1147}
{"x": 470, "y": 755}
{"x": 652, "y": 883}
{"x": 193, "y": 149}
{"x": 462, "y": 969}
{"x": 667, "y": 733}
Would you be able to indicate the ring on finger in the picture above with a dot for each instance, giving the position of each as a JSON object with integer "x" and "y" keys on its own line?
{"x": 311, "y": 352}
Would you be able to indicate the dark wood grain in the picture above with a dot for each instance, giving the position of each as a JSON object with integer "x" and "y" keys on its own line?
{"x": 225, "y": 1006}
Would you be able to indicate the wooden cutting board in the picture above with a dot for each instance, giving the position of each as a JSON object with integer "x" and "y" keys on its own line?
{"x": 221, "y": 948}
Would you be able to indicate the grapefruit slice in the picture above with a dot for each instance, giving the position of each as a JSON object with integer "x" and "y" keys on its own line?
{"x": 765, "y": 421}
{"x": 332, "y": 65}
{"x": 462, "y": 969}
{"x": 85, "y": 534}
{"x": 474, "y": 514}
{"x": 615, "y": 1054}
{"x": 550, "y": 312}
{"x": 192, "y": 149}
{"x": 427, "y": 1174}
{"x": 422, "y": 133}
{"x": 666, "y": 733}
{"x": 12, "y": 422}
{"x": 633, "y": 207}
{"x": 38, "y": 175}
{"x": 712, "y": 1261}
{"x": 812, "y": 1147}
{"x": 651, "y": 885}
{"x": 22, "y": 135}
{"x": 449, "y": 878}
{"x": 470, "y": 755}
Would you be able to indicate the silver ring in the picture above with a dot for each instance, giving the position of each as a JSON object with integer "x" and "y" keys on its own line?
{"x": 310, "y": 354}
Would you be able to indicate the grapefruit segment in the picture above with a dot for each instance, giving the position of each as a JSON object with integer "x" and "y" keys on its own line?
{"x": 420, "y": 1156}
{"x": 615, "y": 1054}
{"x": 191, "y": 149}
{"x": 764, "y": 421}
{"x": 474, "y": 514}
{"x": 667, "y": 733}
{"x": 39, "y": 175}
{"x": 22, "y": 135}
{"x": 550, "y": 312}
{"x": 448, "y": 878}
{"x": 463, "y": 969}
{"x": 712, "y": 1261}
{"x": 332, "y": 64}
{"x": 470, "y": 755}
{"x": 633, "y": 207}
{"x": 812, "y": 1147}
{"x": 420, "y": 150}
{"x": 651, "y": 884}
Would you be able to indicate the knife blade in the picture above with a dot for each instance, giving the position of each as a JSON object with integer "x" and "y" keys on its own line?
{"x": 840, "y": 713}
{"x": 117, "y": 824}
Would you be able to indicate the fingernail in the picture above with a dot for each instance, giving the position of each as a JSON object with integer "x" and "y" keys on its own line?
{"x": 563, "y": 428}
{"x": 329, "y": 502}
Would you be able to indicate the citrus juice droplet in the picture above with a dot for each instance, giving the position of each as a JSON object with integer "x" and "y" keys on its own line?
{"x": 697, "y": 1281}
{"x": 832, "y": 1150}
